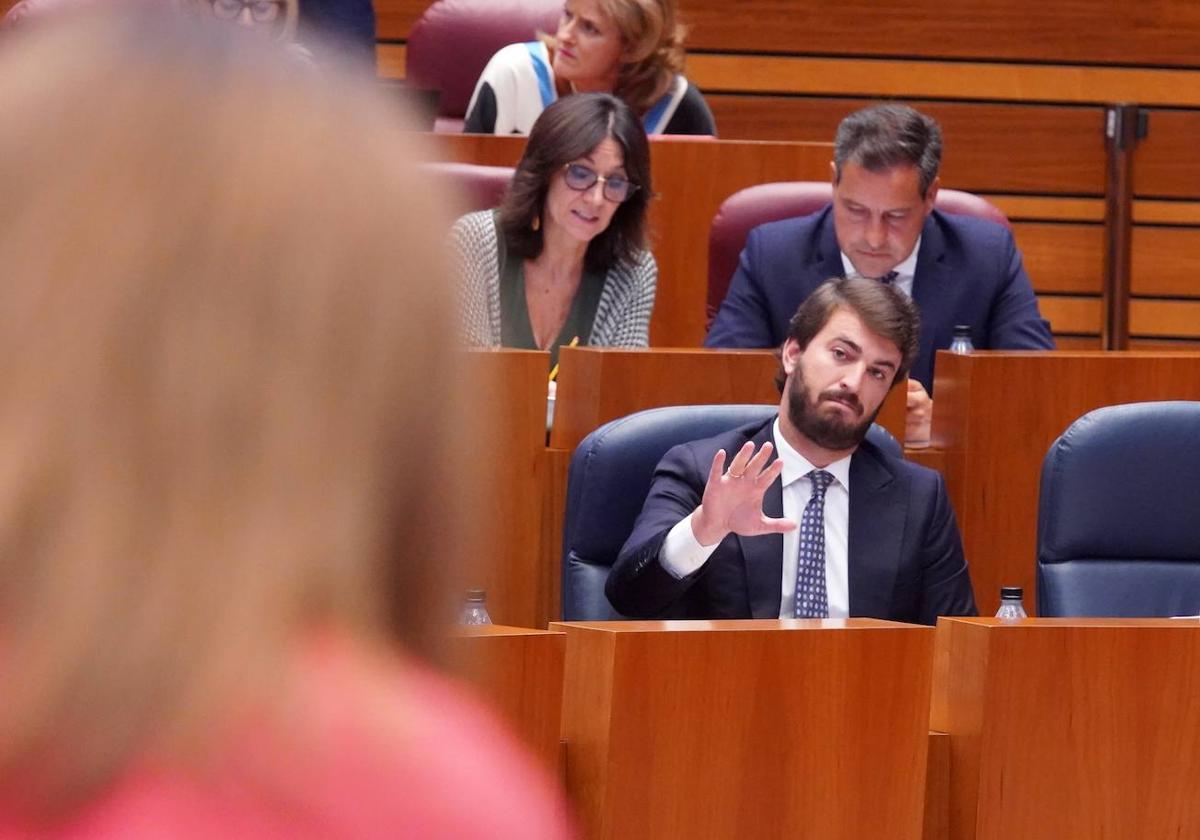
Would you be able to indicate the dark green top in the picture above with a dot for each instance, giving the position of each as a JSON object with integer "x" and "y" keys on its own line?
{"x": 515, "y": 329}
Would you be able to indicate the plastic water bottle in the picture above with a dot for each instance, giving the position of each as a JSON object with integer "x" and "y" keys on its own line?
{"x": 474, "y": 611}
{"x": 1012, "y": 607}
{"x": 961, "y": 343}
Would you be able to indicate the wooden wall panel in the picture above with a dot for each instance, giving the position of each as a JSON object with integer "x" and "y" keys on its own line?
{"x": 1064, "y": 258}
{"x": 1164, "y": 345}
{"x": 1163, "y": 33}
{"x": 1077, "y": 342}
{"x": 1166, "y": 261}
{"x": 1164, "y": 318}
{"x": 1073, "y": 315}
{"x": 1166, "y": 164}
{"x": 906, "y": 78}
{"x": 1061, "y": 149}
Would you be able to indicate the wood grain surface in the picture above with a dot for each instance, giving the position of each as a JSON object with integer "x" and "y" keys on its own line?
{"x": 518, "y": 672}
{"x": 1064, "y": 728}
{"x": 747, "y": 728}
{"x": 505, "y": 494}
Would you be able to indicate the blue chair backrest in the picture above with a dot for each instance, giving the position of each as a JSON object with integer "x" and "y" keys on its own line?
{"x": 1119, "y": 514}
{"x": 609, "y": 479}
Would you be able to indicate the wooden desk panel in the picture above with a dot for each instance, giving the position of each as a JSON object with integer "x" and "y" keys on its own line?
{"x": 713, "y": 730}
{"x": 997, "y": 414}
{"x": 691, "y": 178}
{"x": 519, "y": 673}
{"x": 509, "y": 392}
{"x": 1070, "y": 728}
{"x": 597, "y": 385}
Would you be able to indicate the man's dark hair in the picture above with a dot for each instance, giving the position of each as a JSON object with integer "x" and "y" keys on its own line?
{"x": 881, "y": 137}
{"x": 566, "y": 131}
{"x": 885, "y": 310}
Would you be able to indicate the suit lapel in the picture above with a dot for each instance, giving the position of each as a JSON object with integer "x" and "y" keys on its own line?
{"x": 827, "y": 259}
{"x": 763, "y": 555}
{"x": 878, "y": 510}
{"x": 930, "y": 287}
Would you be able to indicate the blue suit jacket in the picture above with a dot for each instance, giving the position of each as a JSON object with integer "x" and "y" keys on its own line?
{"x": 969, "y": 272}
{"x": 905, "y": 554}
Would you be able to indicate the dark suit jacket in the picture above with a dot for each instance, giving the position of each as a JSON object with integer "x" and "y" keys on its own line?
{"x": 906, "y": 559}
{"x": 969, "y": 272}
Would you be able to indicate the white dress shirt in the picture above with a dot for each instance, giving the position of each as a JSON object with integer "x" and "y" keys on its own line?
{"x": 905, "y": 270}
{"x": 681, "y": 554}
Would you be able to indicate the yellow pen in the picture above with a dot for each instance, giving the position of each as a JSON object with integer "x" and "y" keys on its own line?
{"x": 554, "y": 370}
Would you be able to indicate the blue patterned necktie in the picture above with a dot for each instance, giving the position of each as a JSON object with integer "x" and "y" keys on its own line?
{"x": 889, "y": 278}
{"x": 811, "y": 598}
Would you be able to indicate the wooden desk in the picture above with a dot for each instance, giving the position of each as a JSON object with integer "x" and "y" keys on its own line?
{"x": 1064, "y": 728}
{"x": 519, "y": 673}
{"x": 691, "y": 179}
{"x": 995, "y": 416}
{"x": 725, "y": 729}
{"x": 508, "y": 396}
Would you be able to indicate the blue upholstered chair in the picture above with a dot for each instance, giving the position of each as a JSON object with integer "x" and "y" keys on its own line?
{"x": 1119, "y": 514}
{"x": 608, "y": 481}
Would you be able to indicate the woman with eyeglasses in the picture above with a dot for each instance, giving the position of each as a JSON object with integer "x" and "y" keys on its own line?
{"x": 563, "y": 258}
{"x": 632, "y": 49}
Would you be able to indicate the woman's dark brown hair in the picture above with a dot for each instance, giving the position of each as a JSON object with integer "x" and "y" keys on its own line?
{"x": 565, "y": 132}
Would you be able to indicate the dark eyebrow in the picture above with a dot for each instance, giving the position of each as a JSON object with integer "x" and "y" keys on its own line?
{"x": 854, "y": 346}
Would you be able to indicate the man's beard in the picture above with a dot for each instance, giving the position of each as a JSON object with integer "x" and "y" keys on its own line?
{"x": 828, "y": 431}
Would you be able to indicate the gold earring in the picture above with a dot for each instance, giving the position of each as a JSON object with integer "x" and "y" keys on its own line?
{"x": 537, "y": 222}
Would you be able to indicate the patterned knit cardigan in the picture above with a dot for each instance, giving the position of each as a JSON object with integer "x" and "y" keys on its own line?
{"x": 622, "y": 316}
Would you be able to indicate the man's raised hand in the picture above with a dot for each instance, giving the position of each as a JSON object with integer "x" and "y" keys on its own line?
{"x": 732, "y": 501}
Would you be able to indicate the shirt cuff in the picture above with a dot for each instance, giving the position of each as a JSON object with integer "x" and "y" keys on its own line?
{"x": 681, "y": 555}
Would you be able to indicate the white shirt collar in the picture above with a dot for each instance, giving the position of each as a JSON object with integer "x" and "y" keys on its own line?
{"x": 797, "y": 466}
{"x": 906, "y": 269}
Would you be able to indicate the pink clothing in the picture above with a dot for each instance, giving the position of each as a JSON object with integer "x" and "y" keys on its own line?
{"x": 418, "y": 759}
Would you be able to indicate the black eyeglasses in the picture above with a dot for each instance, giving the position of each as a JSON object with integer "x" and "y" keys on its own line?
{"x": 616, "y": 188}
{"x": 261, "y": 11}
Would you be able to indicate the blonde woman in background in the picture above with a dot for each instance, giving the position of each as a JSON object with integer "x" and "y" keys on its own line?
{"x": 632, "y": 49}
{"x": 228, "y": 463}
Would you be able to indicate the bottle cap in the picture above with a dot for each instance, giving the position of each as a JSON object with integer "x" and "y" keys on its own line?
{"x": 475, "y": 594}
{"x": 963, "y": 330}
{"x": 1011, "y": 592}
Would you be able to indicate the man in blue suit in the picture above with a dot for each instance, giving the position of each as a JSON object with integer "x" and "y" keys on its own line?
{"x": 832, "y": 526}
{"x": 882, "y": 225}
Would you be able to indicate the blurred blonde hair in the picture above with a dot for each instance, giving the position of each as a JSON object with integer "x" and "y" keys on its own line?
{"x": 221, "y": 424}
